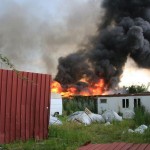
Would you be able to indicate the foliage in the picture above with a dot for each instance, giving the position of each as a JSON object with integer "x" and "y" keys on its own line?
{"x": 11, "y": 66}
{"x": 79, "y": 103}
{"x": 137, "y": 89}
{"x": 7, "y": 62}
{"x": 142, "y": 116}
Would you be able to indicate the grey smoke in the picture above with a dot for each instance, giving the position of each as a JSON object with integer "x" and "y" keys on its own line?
{"x": 123, "y": 32}
{"x": 33, "y": 37}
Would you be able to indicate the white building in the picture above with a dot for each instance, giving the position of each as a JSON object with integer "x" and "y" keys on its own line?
{"x": 56, "y": 104}
{"x": 122, "y": 102}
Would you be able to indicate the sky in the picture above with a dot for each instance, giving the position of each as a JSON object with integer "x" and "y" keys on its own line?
{"x": 35, "y": 33}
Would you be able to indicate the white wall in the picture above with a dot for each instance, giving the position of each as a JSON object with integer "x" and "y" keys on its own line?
{"x": 56, "y": 104}
{"x": 115, "y": 103}
{"x": 146, "y": 102}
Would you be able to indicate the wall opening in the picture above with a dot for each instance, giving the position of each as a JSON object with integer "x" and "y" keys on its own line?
{"x": 104, "y": 101}
{"x": 125, "y": 103}
{"x": 137, "y": 102}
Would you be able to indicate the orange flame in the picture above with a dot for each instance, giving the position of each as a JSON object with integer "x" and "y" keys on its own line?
{"x": 56, "y": 87}
{"x": 93, "y": 89}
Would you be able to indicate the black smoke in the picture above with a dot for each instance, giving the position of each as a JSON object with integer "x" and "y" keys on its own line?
{"x": 124, "y": 31}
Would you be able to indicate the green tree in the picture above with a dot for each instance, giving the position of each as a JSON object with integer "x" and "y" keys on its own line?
{"x": 137, "y": 89}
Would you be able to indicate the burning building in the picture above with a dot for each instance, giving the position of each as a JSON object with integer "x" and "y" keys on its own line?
{"x": 123, "y": 31}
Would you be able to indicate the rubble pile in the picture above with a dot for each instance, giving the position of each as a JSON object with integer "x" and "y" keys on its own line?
{"x": 141, "y": 129}
{"x": 87, "y": 117}
{"x": 54, "y": 121}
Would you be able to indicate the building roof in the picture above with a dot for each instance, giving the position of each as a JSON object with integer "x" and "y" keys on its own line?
{"x": 111, "y": 95}
{"x": 125, "y": 95}
{"x": 116, "y": 146}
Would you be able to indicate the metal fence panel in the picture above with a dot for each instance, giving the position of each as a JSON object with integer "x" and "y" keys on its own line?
{"x": 24, "y": 106}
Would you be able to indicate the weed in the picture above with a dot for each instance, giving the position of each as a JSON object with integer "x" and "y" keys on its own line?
{"x": 142, "y": 116}
{"x": 70, "y": 136}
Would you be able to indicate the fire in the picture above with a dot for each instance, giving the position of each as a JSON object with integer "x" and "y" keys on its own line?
{"x": 91, "y": 89}
{"x": 56, "y": 87}
{"x": 98, "y": 87}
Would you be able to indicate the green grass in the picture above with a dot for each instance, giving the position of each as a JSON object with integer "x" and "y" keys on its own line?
{"x": 70, "y": 136}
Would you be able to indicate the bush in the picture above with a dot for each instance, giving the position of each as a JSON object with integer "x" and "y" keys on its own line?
{"x": 79, "y": 103}
{"x": 142, "y": 116}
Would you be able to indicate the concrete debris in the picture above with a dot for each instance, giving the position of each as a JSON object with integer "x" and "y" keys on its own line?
{"x": 85, "y": 118}
{"x": 97, "y": 118}
{"x": 130, "y": 131}
{"x": 54, "y": 121}
{"x": 80, "y": 117}
{"x": 128, "y": 114}
{"x": 87, "y": 111}
{"x": 107, "y": 123}
{"x": 141, "y": 129}
{"x": 110, "y": 116}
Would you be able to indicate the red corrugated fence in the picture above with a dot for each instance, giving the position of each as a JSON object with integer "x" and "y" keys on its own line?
{"x": 24, "y": 106}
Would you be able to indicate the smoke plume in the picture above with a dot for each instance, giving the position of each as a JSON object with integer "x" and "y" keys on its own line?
{"x": 123, "y": 32}
{"x": 34, "y": 34}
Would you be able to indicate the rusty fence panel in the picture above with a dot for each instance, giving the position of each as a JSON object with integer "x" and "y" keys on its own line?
{"x": 24, "y": 106}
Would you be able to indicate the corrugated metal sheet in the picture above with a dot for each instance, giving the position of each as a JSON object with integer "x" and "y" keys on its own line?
{"x": 24, "y": 106}
{"x": 116, "y": 146}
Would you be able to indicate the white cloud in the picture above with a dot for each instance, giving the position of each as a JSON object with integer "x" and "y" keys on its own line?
{"x": 133, "y": 75}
